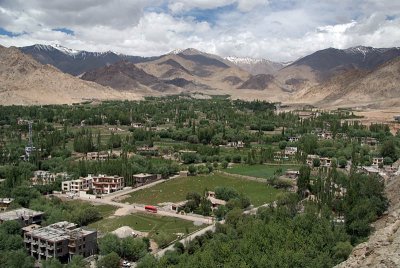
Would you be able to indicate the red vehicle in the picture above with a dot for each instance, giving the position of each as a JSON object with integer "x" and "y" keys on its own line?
{"x": 150, "y": 209}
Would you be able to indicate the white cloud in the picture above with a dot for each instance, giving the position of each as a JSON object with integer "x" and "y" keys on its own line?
{"x": 278, "y": 30}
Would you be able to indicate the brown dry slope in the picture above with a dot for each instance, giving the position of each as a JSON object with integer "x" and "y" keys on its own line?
{"x": 25, "y": 81}
{"x": 383, "y": 247}
{"x": 377, "y": 88}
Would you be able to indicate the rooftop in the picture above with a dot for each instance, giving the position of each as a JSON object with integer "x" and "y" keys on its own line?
{"x": 18, "y": 213}
{"x": 6, "y": 200}
{"x": 143, "y": 175}
{"x": 59, "y": 231}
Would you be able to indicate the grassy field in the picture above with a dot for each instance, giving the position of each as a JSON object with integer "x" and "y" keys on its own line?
{"x": 151, "y": 223}
{"x": 105, "y": 210}
{"x": 259, "y": 171}
{"x": 176, "y": 190}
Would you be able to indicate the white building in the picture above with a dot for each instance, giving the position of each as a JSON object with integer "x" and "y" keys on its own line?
{"x": 82, "y": 184}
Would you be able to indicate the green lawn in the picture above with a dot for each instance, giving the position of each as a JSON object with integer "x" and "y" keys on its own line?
{"x": 105, "y": 210}
{"x": 151, "y": 223}
{"x": 175, "y": 190}
{"x": 259, "y": 171}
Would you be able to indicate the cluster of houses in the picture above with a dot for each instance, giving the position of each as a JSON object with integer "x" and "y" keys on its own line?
{"x": 103, "y": 184}
{"x": 42, "y": 177}
{"x": 288, "y": 153}
{"x": 61, "y": 240}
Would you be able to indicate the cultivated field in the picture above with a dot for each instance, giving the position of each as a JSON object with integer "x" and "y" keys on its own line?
{"x": 149, "y": 223}
{"x": 259, "y": 171}
{"x": 176, "y": 190}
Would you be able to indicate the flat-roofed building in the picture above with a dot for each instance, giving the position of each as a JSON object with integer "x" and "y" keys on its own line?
{"x": 376, "y": 161}
{"x": 103, "y": 184}
{"x": 42, "y": 177}
{"x": 145, "y": 178}
{"x": 82, "y": 184}
{"x": 25, "y": 216}
{"x": 60, "y": 240}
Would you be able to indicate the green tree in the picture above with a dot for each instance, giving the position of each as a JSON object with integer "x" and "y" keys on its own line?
{"x": 111, "y": 260}
{"x": 303, "y": 181}
{"x": 388, "y": 149}
{"x": 109, "y": 243}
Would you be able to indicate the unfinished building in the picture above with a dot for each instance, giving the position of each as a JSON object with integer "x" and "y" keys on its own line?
{"x": 24, "y": 215}
{"x": 60, "y": 240}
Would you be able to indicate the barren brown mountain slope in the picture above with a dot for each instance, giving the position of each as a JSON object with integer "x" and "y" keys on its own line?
{"x": 383, "y": 246}
{"x": 126, "y": 76}
{"x": 25, "y": 81}
{"x": 205, "y": 70}
{"x": 377, "y": 88}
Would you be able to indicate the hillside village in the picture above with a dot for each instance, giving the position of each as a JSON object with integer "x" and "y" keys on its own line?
{"x": 142, "y": 183}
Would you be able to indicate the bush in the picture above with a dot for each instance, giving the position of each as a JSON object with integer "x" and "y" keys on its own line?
{"x": 387, "y": 161}
{"x": 224, "y": 164}
{"x": 192, "y": 170}
{"x": 237, "y": 158}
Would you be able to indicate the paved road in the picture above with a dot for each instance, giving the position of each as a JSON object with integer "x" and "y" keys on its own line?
{"x": 130, "y": 190}
{"x": 126, "y": 209}
{"x": 186, "y": 240}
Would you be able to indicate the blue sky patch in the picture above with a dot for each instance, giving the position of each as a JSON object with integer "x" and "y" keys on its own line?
{"x": 7, "y": 33}
{"x": 210, "y": 15}
{"x": 64, "y": 30}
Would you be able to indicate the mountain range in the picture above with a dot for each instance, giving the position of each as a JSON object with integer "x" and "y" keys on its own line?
{"x": 25, "y": 81}
{"x": 329, "y": 76}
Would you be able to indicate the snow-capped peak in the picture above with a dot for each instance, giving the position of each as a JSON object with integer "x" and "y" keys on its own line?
{"x": 65, "y": 50}
{"x": 176, "y": 51}
{"x": 245, "y": 60}
{"x": 44, "y": 47}
{"x": 52, "y": 47}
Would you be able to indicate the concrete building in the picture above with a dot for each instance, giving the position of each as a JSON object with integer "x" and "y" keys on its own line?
{"x": 294, "y": 139}
{"x": 5, "y": 203}
{"x": 215, "y": 202}
{"x": 103, "y": 184}
{"x": 24, "y": 215}
{"x": 235, "y": 144}
{"x": 376, "y": 161}
{"x": 145, "y": 150}
{"x": 325, "y": 135}
{"x": 310, "y": 159}
{"x": 369, "y": 141}
{"x": 42, "y": 177}
{"x": 145, "y": 178}
{"x": 82, "y": 184}
{"x": 292, "y": 174}
{"x": 60, "y": 240}
{"x": 290, "y": 151}
{"x": 97, "y": 156}
{"x": 325, "y": 162}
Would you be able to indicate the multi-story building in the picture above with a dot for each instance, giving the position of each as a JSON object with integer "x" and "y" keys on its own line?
{"x": 104, "y": 184}
{"x": 24, "y": 215}
{"x": 144, "y": 178}
{"x": 376, "y": 161}
{"x": 82, "y": 184}
{"x": 290, "y": 151}
{"x": 42, "y": 177}
{"x": 60, "y": 240}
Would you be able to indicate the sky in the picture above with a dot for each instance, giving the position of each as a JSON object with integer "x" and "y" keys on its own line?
{"x": 278, "y": 30}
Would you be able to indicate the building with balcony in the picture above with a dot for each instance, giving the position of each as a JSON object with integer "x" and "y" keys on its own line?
{"x": 103, "y": 184}
{"x": 82, "y": 184}
{"x": 60, "y": 240}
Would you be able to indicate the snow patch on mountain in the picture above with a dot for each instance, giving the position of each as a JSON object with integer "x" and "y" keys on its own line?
{"x": 245, "y": 60}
